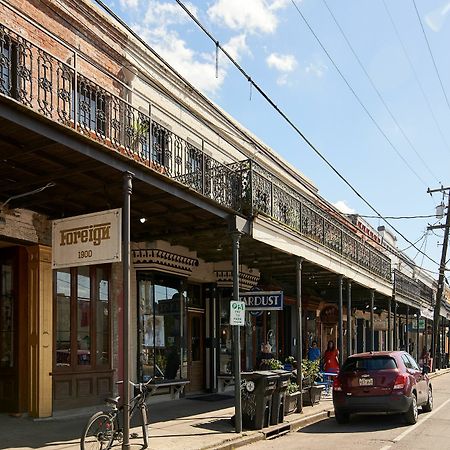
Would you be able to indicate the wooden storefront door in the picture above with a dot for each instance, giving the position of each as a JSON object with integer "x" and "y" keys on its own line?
{"x": 13, "y": 331}
{"x": 196, "y": 350}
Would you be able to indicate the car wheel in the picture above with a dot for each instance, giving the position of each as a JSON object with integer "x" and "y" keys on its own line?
{"x": 429, "y": 404}
{"x": 341, "y": 417}
{"x": 413, "y": 413}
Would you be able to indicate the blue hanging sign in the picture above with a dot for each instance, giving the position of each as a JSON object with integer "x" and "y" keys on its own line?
{"x": 262, "y": 300}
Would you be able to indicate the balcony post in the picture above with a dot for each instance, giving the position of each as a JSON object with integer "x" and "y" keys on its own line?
{"x": 299, "y": 317}
{"x": 349, "y": 318}
{"x": 340, "y": 320}
{"x": 127, "y": 191}
{"x": 389, "y": 336}
{"x": 372, "y": 330}
{"x": 236, "y": 236}
{"x": 407, "y": 330}
{"x": 417, "y": 335}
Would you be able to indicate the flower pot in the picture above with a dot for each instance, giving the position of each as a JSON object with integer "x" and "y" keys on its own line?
{"x": 312, "y": 395}
{"x": 290, "y": 405}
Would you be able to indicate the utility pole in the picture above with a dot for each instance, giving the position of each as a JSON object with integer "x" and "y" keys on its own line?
{"x": 437, "y": 308}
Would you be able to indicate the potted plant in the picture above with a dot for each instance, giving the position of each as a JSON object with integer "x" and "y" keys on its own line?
{"x": 271, "y": 364}
{"x": 312, "y": 391}
{"x": 289, "y": 363}
{"x": 293, "y": 392}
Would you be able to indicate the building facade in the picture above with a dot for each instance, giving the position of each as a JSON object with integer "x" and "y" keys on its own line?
{"x": 85, "y": 106}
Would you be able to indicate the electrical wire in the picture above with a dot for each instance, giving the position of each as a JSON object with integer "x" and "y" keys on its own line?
{"x": 398, "y": 217}
{"x": 416, "y": 242}
{"x": 416, "y": 76}
{"x": 293, "y": 126}
{"x": 363, "y": 106}
{"x": 261, "y": 92}
{"x": 380, "y": 96}
{"x": 431, "y": 54}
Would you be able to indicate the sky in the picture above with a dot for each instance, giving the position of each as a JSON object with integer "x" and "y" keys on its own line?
{"x": 369, "y": 96}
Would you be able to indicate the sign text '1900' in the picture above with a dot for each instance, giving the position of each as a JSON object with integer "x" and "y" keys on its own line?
{"x": 85, "y": 254}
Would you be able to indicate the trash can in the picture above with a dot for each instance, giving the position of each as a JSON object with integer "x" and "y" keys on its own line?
{"x": 256, "y": 394}
{"x": 279, "y": 396}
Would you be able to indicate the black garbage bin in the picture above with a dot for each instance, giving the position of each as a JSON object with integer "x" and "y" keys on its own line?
{"x": 256, "y": 393}
{"x": 279, "y": 396}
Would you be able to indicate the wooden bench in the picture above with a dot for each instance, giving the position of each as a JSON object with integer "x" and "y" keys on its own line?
{"x": 223, "y": 381}
{"x": 175, "y": 387}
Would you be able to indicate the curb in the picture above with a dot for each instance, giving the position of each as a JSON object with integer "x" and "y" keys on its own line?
{"x": 437, "y": 374}
{"x": 271, "y": 432}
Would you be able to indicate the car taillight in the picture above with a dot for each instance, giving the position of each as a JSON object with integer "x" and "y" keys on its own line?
{"x": 400, "y": 381}
{"x": 337, "y": 386}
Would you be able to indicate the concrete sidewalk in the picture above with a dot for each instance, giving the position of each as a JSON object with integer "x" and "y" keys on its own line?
{"x": 185, "y": 424}
{"x": 179, "y": 424}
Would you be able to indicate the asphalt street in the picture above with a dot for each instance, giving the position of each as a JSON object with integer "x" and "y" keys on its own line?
{"x": 432, "y": 430}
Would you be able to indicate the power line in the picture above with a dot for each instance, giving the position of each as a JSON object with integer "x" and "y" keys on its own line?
{"x": 398, "y": 217}
{"x": 431, "y": 53}
{"x": 363, "y": 106}
{"x": 411, "y": 65}
{"x": 291, "y": 124}
{"x": 402, "y": 131}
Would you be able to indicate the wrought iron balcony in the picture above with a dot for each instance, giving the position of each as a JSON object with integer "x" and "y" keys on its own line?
{"x": 265, "y": 194}
{"x": 61, "y": 91}
{"x": 413, "y": 289}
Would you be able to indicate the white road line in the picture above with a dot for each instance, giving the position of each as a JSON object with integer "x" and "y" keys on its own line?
{"x": 414, "y": 427}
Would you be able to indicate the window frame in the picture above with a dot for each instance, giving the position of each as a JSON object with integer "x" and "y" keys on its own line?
{"x": 94, "y": 364}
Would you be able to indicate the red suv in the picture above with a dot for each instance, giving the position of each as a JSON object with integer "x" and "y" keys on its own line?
{"x": 382, "y": 382}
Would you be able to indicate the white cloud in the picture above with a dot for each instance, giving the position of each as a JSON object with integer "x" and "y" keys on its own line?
{"x": 436, "y": 18}
{"x": 237, "y": 46}
{"x": 343, "y": 207}
{"x": 283, "y": 63}
{"x": 198, "y": 69}
{"x": 158, "y": 29}
{"x": 164, "y": 14}
{"x": 125, "y": 4}
{"x": 316, "y": 69}
{"x": 249, "y": 15}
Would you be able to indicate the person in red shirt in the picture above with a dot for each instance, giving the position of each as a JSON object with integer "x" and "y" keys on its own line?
{"x": 331, "y": 358}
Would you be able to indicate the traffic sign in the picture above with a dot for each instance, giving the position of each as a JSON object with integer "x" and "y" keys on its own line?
{"x": 237, "y": 313}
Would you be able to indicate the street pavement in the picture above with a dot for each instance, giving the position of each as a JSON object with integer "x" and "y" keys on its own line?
{"x": 432, "y": 430}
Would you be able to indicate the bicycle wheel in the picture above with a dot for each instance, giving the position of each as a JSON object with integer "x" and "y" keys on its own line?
{"x": 99, "y": 432}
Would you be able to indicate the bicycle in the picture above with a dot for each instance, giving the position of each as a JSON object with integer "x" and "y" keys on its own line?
{"x": 104, "y": 427}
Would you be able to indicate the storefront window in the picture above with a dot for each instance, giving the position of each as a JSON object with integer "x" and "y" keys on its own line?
{"x": 63, "y": 342}
{"x": 83, "y": 316}
{"x": 225, "y": 337}
{"x": 102, "y": 317}
{"x": 75, "y": 337}
{"x": 161, "y": 316}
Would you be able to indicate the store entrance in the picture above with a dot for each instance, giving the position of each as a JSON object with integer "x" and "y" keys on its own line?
{"x": 196, "y": 350}
{"x": 12, "y": 358}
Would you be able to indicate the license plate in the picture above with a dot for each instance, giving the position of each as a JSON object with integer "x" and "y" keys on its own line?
{"x": 366, "y": 381}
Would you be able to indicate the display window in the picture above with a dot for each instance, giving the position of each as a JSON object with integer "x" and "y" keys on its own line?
{"x": 82, "y": 317}
{"x": 162, "y": 324}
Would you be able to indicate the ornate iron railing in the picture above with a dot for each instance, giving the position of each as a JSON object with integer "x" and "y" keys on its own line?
{"x": 58, "y": 90}
{"x": 413, "y": 289}
{"x": 265, "y": 194}
{"x": 426, "y": 293}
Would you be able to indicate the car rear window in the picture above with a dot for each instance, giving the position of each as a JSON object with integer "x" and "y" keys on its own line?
{"x": 375, "y": 363}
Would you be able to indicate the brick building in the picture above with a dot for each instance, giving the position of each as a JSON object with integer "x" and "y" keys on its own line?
{"x": 83, "y": 103}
